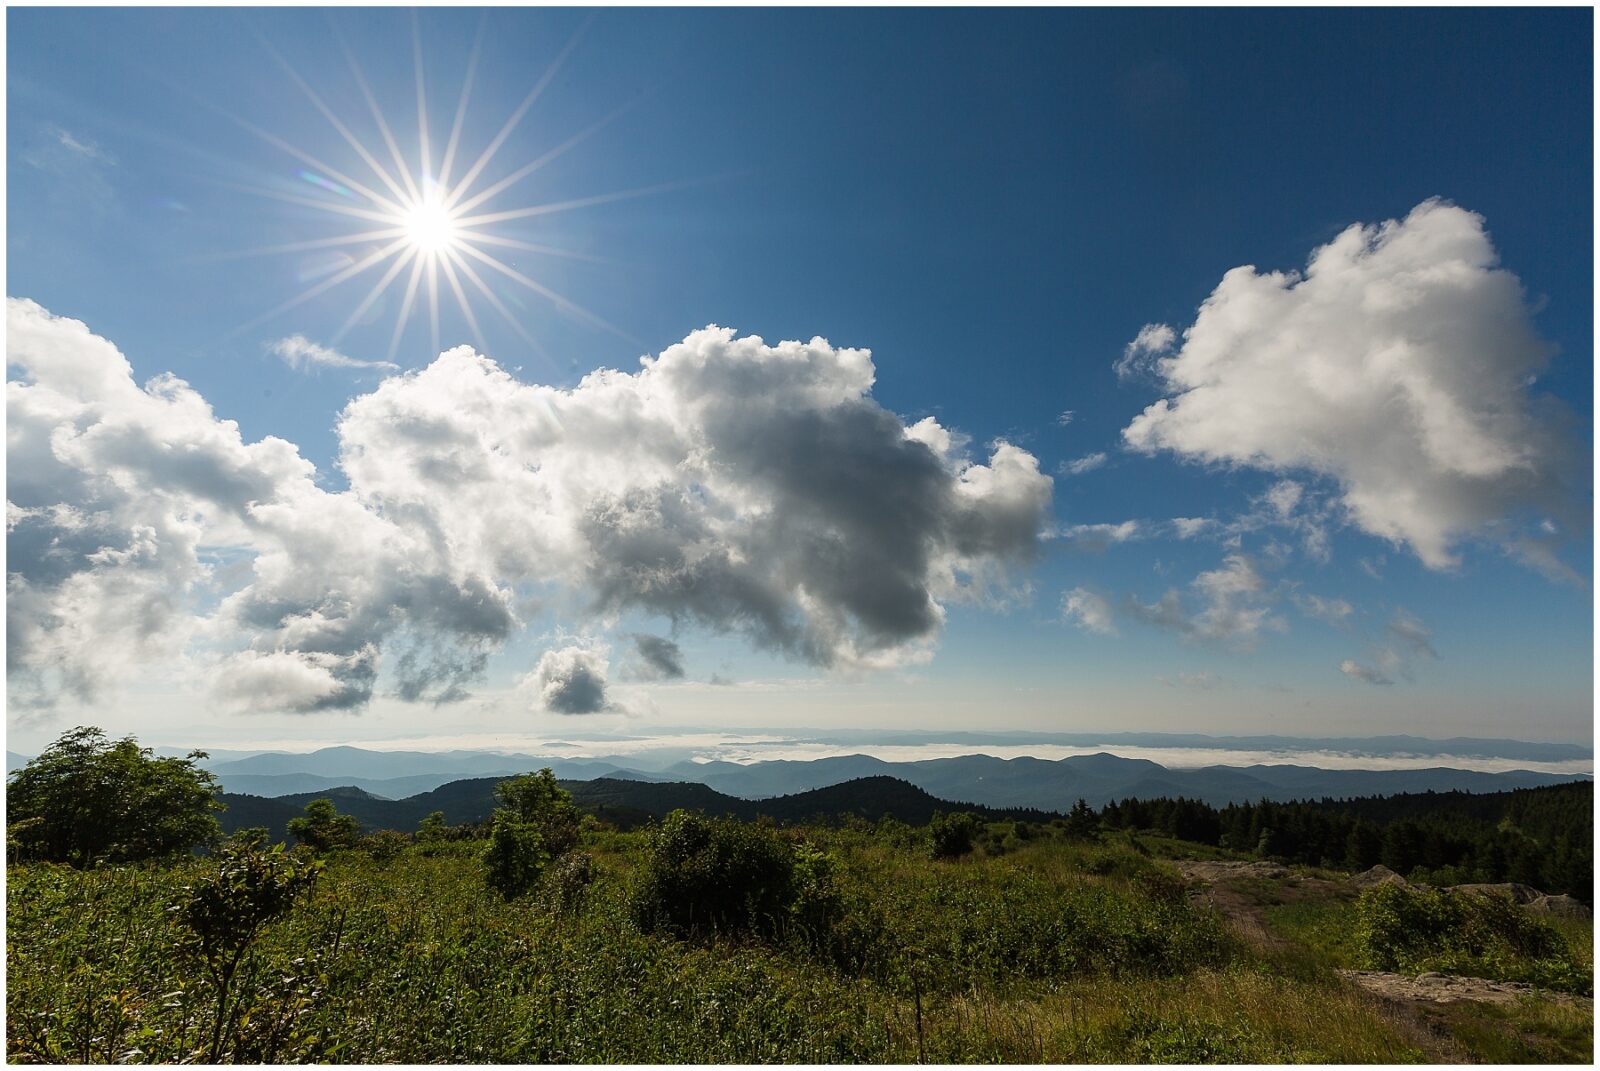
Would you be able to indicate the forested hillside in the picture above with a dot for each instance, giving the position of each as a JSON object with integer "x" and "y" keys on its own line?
{"x": 1540, "y": 836}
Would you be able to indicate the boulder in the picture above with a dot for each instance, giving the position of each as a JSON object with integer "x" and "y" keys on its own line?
{"x": 1378, "y": 875}
{"x": 1522, "y": 894}
{"x": 1562, "y": 906}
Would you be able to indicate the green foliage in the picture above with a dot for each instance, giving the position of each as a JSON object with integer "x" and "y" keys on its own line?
{"x": 879, "y": 955}
{"x": 1082, "y": 823}
{"x": 431, "y": 828}
{"x": 951, "y": 835}
{"x": 537, "y": 800}
{"x": 385, "y": 845}
{"x": 567, "y": 881}
{"x": 515, "y": 856}
{"x": 242, "y": 888}
{"x": 715, "y": 876}
{"x": 535, "y": 823}
{"x": 322, "y": 828}
{"x": 1410, "y": 929}
{"x": 87, "y": 799}
{"x": 1538, "y": 836}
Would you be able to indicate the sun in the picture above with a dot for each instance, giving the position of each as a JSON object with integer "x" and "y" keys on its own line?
{"x": 425, "y": 226}
{"x": 430, "y": 227}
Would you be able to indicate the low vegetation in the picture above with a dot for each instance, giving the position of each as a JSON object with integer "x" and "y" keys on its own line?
{"x": 546, "y": 936}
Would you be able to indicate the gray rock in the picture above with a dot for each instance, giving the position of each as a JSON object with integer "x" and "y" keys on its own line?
{"x": 1562, "y": 906}
{"x": 1522, "y": 894}
{"x": 1378, "y": 875}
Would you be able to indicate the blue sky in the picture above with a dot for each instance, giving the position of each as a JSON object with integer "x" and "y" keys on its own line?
{"x": 996, "y": 204}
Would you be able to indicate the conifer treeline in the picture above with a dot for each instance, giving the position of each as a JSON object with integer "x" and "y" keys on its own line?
{"x": 1539, "y": 836}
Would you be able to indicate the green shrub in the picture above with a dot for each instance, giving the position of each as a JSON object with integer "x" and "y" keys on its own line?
{"x": 951, "y": 835}
{"x": 1415, "y": 929}
{"x": 322, "y": 828}
{"x": 244, "y": 887}
{"x": 535, "y": 823}
{"x": 715, "y": 876}
{"x": 568, "y": 879}
{"x": 384, "y": 845}
{"x": 515, "y": 856}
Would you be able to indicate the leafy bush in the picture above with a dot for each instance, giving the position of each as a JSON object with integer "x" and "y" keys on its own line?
{"x": 86, "y": 799}
{"x": 432, "y": 828}
{"x": 951, "y": 835}
{"x": 567, "y": 881}
{"x": 385, "y": 845}
{"x": 322, "y": 828}
{"x": 1416, "y": 929}
{"x": 535, "y": 823}
{"x": 244, "y": 888}
{"x": 715, "y": 876}
{"x": 515, "y": 856}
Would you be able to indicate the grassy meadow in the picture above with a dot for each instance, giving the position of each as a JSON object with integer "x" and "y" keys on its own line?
{"x": 1038, "y": 949}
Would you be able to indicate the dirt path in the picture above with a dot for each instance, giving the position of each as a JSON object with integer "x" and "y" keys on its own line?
{"x": 1213, "y": 889}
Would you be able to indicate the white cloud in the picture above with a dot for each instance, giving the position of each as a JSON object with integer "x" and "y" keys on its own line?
{"x": 745, "y": 488}
{"x": 303, "y": 355}
{"x": 1235, "y": 606}
{"x": 1065, "y": 417}
{"x": 1396, "y": 366}
{"x": 1097, "y": 537}
{"x": 573, "y": 681}
{"x": 1088, "y": 611}
{"x": 1143, "y": 356}
{"x": 1086, "y": 463}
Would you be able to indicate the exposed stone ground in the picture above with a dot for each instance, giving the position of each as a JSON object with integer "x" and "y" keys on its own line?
{"x": 1435, "y": 988}
{"x": 1239, "y": 892}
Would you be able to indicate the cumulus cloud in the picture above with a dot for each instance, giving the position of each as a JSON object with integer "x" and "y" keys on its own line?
{"x": 573, "y": 681}
{"x": 1235, "y": 606}
{"x": 661, "y": 658}
{"x": 1089, "y": 611}
{"x": 1397, "y": 366}
{"x": 121, "y": 498}
{"x": 1086, "y": 463}
{"x": 1142, "y": 356}
{"x": 741, "y": 487}
{"x": 303, "y": 355}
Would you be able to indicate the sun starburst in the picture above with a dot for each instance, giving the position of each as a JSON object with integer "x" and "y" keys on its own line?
{"x": 417, "y": 215}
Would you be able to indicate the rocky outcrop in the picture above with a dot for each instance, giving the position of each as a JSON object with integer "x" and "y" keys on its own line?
{"x": 1562, "y": 907}
{"x": 1436, "y": 988}
{"x": 1210, "y": 870}
{"x": 1519, "y": 893}
{"x": 1378, "y": 875}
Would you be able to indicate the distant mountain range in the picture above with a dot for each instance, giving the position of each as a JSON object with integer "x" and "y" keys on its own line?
{"x": 626, "y": 804}
{"x": 1054, "y": 784}
{"x": 1026, "y": 782}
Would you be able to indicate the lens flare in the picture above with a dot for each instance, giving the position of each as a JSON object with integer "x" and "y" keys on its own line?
{"x": 419, "y": 219}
